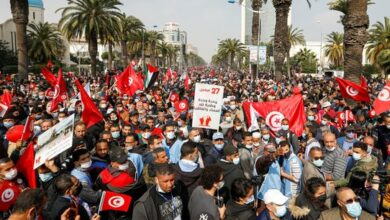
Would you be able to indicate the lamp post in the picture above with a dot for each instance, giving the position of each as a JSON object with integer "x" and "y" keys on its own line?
{"x": 259, "y": 33}
{"x": 320, "y": 69}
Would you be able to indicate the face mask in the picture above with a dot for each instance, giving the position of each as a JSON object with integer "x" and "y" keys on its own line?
{"x": 285, "y": 127}
{"x": 120, "y": 109}
{"x": 330, "y": 149}
{"x": 249, "y": 146}
{"x": 103, "y": 106}
{"x": 41, "y": 97}
{"x": 171, "y": 135}
{"x": 318, "y": 163}
{"x": 356, "y": 156}
{"x": 350, "y": 135}
{"x": 196, "y": 159}
{"x": 8, "y": 124}
{"x": 369, "y": 149}
{"x": 233, "y": 107}
{"x": 219, "y": 146}
{"x": 45, "y": 176}
{"x": 354, "y": 209}
{"x": 277, "y": 140}
{"x": 310, "y": 118}
{"x": 281, "y": 211}
{"x": 221, "y": 184}
{"x": 256, "y": 144}
{"x": 146, "y": 135}
{"x": 228, "y": 119}
{"x": 185, "y": 131}
{"x": 125, "y": 98}
{"x": 37, "y": 130}
{"x": 196, "y": 139}
{"x": 322, "y": 198}
{"x": 10, "y": 175}
{"x": 238, "y": 128}
{"x": 78, "y": 190}
{"x": 304, "y": 135}
{"x": 38, "y": 117}
{"x": 324, "y": 122}
{"x": 115, "y": 134}
{"x": 114, "y": 118}
{"x": 236, "y": 160}
{"x": 86, "y": 165}
{"x": 266, "y": 137}
{"x": 179, "y": 123}
{"x": 54, "y": 115}
{"x": 61, "y": 119}
{"x": 123, "y": 166}
{"x": 388, "y": 126}
{"x": 250, "y": 200}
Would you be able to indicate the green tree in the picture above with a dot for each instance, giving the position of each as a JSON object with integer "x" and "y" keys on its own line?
{"x": 295, "y": 37}
{"x": 44, "y": 42}
{"x": 92, "y": 19}
{"x": 305, "y": 61}
{"x": 19, "y": 9}
{"x": 129, "y": 26}
{"x": 383, "y": 61}
{"x": 230, "y": 48}
{"x": 355, "y": 21}
{"x": 152, "y": 38}
{"x": 172, "y": 50}
{"x": 7, "y": 56}
{"x": 379, "y": 41}
{"x": 163, "y": 49}
{"x": 334, "y": 49}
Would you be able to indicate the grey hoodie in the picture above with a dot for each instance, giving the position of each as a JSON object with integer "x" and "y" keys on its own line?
{"x": 202, "y": 205}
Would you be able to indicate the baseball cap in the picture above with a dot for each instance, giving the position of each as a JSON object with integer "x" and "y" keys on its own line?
{"x": 229, "y": 149}
{"x": 217, "y": 135}
{"x": 325, "y": 104}
{"x": 274, "y": 196}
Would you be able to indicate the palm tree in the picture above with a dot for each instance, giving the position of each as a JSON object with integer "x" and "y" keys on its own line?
{"x": 295, "y": 37}
{"x": 151, "y": 40}
{"x": 334, "y": 48}
{"x": 383, "y": 61}
{"x": 256, "y": 6}
{"x": 355, "y": 21}
{"x": 45, "y": 42}
{"x": 230, "y": 48}
{"x": 379, "y": 40}
{"x": 134, "y": 44}
{"x": 19, "y": 9}
{"x": 92, "y": 19}
{"x": 129, "y": 25}
{"x": 305, "y": 59}
{"x": 172, "y": 54}
{"x": 162, "y": 47}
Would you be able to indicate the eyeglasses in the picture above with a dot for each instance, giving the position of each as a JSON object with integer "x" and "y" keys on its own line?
{"x": 349, "y": 201}
{"x": 317, "y": 158}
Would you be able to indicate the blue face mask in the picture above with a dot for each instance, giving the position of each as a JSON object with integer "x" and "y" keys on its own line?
{"x": 354, "y": 209}
{"x": 8, "y": 124}
{"x": 281, "y": 211}
{"x": 219, "y": 146}
{"x": 250, "y": 200}
{"x": 115, "y": 134}
{"x": 45, "y": 176}
{"x": 310, "y": 117}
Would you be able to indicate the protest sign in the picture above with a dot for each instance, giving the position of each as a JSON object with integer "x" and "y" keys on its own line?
{"x": 54, "y": 141}
{"x": 207, "y": 106}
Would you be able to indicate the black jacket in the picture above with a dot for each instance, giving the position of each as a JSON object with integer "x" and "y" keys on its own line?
{"x": 302, "y": 208}
{"x": 235, "y": 211}
{"x": 60, "y": 205}
{"x": 189, "y": 179}
{"x": 230, "y": 173}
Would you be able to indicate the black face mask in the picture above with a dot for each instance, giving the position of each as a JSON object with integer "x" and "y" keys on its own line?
{"x": 78, "y": 190}
{"x": 321, "y": 199}
{"x": 287, "y": 155}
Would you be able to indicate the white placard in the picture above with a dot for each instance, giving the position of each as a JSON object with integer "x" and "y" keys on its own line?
{"x": 253, "y": 54}
{"x": 54, "y": 141}
{"x": 207, "y": 106}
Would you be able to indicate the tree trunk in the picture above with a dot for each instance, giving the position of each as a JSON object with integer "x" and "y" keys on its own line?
{"x": 19, "y": 10}
{"x": 109, "y": 63}
{"x": 256, "y": 5}
{"x": 281, "y": 43}
{"x": 355, "y": 23}
{"x": 124, "y": 53}
{"x": 153, "y": 55}
{"x": 93, "y": 50}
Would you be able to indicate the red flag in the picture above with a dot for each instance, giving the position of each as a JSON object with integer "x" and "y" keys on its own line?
{"x": 212, "y": 73}
{"x": 382, "y": 102}
{"x": 49, "y": 64}
{"x": 6, "y": 98}
{"x": 107, "y": 85}
{"x": 9, "y": 192}
{"x": 173, "y": 97}
{"x": 181, "y": 106}
{"x": 187, "y": 82}
{"x": 49, "y": 76}
{"x": 28, "y": 127}
{"x": 59, "y": 94}
{"x": 115, "y": 202}
{"x": 129, "y": 82}
{"x": 344, "y": 117}
{"x": 274, "y": 112}
{"x": 167, "y": 76}
{"x": 353, "y": 91}
{"x": 91, "y": 114}
{"x": 372, "y": 113}
{"x": 363, "y": 82}
{"x": 25, "y": 165}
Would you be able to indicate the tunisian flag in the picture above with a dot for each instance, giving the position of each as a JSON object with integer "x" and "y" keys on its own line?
{"x": 49, "y": 76}
{"x": 181, "y": 106}
{"x": 114, "y": 201}
{"x": 382, "y": 102}
{"x": 59, "y": 94}
{"x": 274, "y": 112}
{"x": 25, "y": 165}
{"x": 91, "y": 114}
{"x": 128, "y": 82}
{"x": 353, "y": 91}
{"x": 187, "y": 82}
{"x": 6, "y": 98}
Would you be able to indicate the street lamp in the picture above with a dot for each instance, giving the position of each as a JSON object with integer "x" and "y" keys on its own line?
{"x": 319, "y": 23}
{"x": 259, "y": 33}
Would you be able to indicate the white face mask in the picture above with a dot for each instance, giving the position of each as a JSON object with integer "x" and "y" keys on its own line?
{"x": 86, "y": 165}
{"x": 170, "y": 135}
{"x": 124, "y": 166}
{"x": 10, "y": 175}
{"x": 146, "y": 135}
{"x": 196, "y": 139}
{"x": 221, "y": 184}
{"x": 236, "y": 160}
{"x": 330, "y": 149}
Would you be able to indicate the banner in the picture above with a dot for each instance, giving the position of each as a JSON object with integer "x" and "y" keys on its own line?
{"x": 54, "y": 141}
{"x": 253, "y": 54}
{"x": 207, "y": 106}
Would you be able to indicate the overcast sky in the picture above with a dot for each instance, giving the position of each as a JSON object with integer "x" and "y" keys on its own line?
{"x": 208, "y": 20}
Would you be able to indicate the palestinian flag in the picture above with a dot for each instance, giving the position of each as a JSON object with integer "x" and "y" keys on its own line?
{"x": 151, "y": 76}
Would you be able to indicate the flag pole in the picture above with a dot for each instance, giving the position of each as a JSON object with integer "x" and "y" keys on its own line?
{"x": 25, "y": 127}
{"x": 101, "y": 202}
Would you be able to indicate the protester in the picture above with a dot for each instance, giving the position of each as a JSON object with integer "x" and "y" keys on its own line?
{"x": 242, "y": 200}
{"x": 276, "y": 207}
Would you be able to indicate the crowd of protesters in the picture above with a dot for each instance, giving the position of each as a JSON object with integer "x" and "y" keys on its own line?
{"x": 145, "y": 149}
